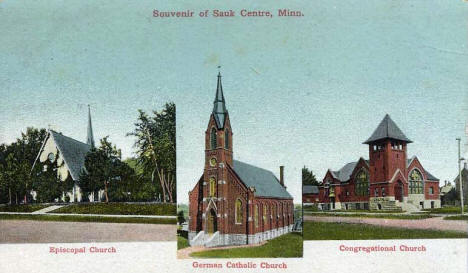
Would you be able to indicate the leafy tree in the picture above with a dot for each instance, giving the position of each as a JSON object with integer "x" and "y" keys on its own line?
{"x": 46, "y": 183}
{"x": 16, "y": 163}
{"x": 308, "y": 177}
{"x": 156, "y": 148}
{"x": 105, "y": 170}
{"x": 180, "y": 217}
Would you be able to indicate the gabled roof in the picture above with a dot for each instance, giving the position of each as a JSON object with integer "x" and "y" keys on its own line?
{"x": 310, "y": 189}
{"x": 219, "y": 105}
{"x": 265, "y": 182}
{"x": 387, "y": 129}
{"x": 429, "y": 176}
{"x": 345, "y": 172}
{"x": 72, "y": 151}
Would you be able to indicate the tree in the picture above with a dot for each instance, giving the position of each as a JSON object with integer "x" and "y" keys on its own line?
{"x": 156, "y": 148}
{"x": 308, "y": 177}
{"x": 16, "y": 164}
{"x": 180, "y": 217}
{"x": 103, "y": 169}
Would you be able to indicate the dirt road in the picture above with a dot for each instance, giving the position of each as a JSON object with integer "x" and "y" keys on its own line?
{"x": 27, "y": 231}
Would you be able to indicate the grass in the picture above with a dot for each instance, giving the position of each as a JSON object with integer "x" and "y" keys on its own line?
{"x": 22, "y": 208}
{"x": 119, "y": 209}
{"x": 285, "y": 246}
{"x": 182, "y": 242}
{"x": 457, "y": 217}
{"x": 345, "y": 231}
{"x": 446, "y": 210}
{"x": 383, "y": 216}
{"x": 98, "y": 219}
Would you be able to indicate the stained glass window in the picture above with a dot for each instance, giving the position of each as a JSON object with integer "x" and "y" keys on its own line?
{"x": 416, "y": 183}
{"x": 212, "y": 186}
{"x": 239, "y": 212}
{"x": 362, "y": 183}
{"x": 256, "y": 216}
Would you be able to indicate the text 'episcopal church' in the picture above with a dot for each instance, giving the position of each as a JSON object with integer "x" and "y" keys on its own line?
{"x": 235, "y": 203}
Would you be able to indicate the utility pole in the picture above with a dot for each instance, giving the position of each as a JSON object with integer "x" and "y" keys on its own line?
{"x": 460, "y": 179}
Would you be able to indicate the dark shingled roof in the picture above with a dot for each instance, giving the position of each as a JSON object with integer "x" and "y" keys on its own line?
{"x": 265, "y": 182}
{"x": 387, "y": 129}
{"x": 430, "y": 176}
{"x": 345, "y": 172}
{"x": 73, "y": 153}
{"x": 310, "y": 189}
{"x": 219, "y": 108}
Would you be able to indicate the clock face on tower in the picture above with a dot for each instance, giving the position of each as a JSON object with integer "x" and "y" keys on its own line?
{"x": 213, "y": 162}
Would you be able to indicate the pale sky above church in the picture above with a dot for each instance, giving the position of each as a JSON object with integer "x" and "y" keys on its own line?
{"x": 299, "y": 92}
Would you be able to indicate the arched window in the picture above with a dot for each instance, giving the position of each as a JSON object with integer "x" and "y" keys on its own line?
{"x": 213, "y": 138}
{"x": 212, "y": 187}
{"x": 226, "y": 139}
{"x": 265, "y": 208}
{"x": 416, "y": 183}
{"x": 362, "y": 183}
{"x": 256, "y": 216}
{"x": 239, "y": 212}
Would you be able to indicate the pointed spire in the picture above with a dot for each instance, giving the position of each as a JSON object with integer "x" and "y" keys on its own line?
{"x": 219, "y": 104}
{"x": 387, "y": 129}
{"x": 90, "y": 137}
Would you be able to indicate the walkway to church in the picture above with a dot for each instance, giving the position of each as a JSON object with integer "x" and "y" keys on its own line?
{"x": 437, "y": 223}
{"x": 184, "y": 253}
{"x": 27, "y": 231}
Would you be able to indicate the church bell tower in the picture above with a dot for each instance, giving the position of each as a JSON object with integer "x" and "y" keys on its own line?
{"x": 218, "y": 155}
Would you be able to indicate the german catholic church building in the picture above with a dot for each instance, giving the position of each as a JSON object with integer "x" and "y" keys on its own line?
{"x": 389, "y": 180}
{"x": 235, "y": 203}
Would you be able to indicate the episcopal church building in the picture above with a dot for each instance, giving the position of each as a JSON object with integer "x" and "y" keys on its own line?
{"x": 387, "y": 181}
{"x": 233, "y": 202}
{"x": 69, "y": 154}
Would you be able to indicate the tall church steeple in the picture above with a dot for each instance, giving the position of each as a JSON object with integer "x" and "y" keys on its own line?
{"x": 90, "y": 136}
{"x": 219, "y": 105}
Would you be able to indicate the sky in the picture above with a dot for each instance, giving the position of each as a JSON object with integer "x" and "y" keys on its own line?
{"x": 300, "y": 91}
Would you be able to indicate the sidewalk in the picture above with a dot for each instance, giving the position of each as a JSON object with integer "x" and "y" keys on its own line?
{"x": 435, "y": 223}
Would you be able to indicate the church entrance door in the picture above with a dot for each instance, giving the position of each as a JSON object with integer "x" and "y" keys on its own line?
{"x": 211, "y": 224}
{"x": 399, "y": 191}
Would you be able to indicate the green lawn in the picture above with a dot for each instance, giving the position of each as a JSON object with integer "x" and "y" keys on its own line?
{"x": 345, "y": 231}
{"x": 457, "y": 217}
{"x": 73, "y": 218}
{"x": 382, "y": 216}
{"x": 182, "y": 242}
{"x": 285, "y": 246}
{"x": 448, "y": 210}
{"x": 119, "y": 209}
{"x": 22, "y": 208}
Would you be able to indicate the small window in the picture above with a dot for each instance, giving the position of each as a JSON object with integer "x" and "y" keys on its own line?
{"x": 212, "y": 187}
{"x": 213, "y": 139}
{"x": 239, "y": 212}
{"x": 226, "y": 139}
{"x": 256, "y": 216}
{"x": 265, "y": 211}
{"x": 431, "y": 190}
{"x": 383, "y": 191}
{"x": 376, "y": 192}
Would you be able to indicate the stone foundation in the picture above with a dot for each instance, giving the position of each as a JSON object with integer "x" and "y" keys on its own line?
{"x": 218, "y": 239}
